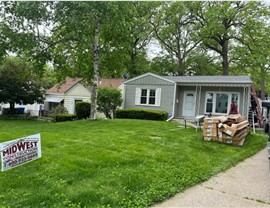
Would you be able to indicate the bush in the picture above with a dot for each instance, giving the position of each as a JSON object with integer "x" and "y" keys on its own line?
{"x": 83, "y": 110}
{"x": 60, "y": 109}
{"x": 108, "y": 100}
{"x": 64, "y": 117}
{"x": 137, "y": 113}
{"x": 17, "y": 117}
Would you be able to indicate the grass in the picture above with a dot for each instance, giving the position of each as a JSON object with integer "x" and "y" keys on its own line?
{"x": 113, "y": 163}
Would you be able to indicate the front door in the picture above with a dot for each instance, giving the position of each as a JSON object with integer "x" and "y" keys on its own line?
{"x": 189, "y": 104}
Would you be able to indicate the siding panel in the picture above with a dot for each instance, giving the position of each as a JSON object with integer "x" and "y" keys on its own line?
{"x": 166, "y": 100}
{"x": 149, "y": 80}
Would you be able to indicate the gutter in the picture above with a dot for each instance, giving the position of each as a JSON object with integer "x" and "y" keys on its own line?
{"x": 174, "y": 96}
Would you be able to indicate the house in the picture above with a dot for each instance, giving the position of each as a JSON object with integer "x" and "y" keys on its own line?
{"x": 189, "y": 96}
{"x": 72, "y": 90}
{"x": 117, "y": 83}
{"x": 68, "y": 93}
{"x": 32, "y": 109}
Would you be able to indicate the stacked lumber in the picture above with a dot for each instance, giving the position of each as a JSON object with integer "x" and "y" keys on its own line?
{"x": 230, "y": 129}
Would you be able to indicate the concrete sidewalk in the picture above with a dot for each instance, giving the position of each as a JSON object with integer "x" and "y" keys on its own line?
{"x": 245, "y": 185}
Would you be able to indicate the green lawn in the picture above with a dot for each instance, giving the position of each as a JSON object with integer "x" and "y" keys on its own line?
{"x": 113, "y": 163}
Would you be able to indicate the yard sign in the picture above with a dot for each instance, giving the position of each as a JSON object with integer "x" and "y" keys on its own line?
{"x": 20, "y": 151}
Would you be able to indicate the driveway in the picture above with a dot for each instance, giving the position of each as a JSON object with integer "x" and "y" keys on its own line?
{"x": 245, "y": 185}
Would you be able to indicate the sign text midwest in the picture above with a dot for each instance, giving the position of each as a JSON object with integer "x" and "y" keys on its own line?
{"x": 20, "y": 151}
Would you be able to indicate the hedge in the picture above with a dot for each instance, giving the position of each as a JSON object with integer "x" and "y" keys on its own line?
{"x": 83, "y": 110}
{"x": 137, "y": 113}
{"x": 64, "y": 117}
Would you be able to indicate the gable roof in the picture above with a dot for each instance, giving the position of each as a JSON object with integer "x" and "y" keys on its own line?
{"x": 111, "y": 82}
{"x": 65, "y": 86}
{"x": 150, "y": 74}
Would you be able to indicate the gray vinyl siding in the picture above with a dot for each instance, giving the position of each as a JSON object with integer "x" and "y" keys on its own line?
{"x": 150, "y": 80}
{"x": 166, "y": 100}
{"x": 204, "y": 90}
{"x": 222, "y": 89}
{"x": 180, "y": 98}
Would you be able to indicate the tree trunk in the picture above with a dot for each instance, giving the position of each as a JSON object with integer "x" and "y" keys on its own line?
{"x": 180, "y": 70}
{"x": 12, "y": 108}
{"x": 133, "y": 70}
{"x": 262, "y": 85}
{"x": 93, "y": 113}
{"x": 225, "y": 61}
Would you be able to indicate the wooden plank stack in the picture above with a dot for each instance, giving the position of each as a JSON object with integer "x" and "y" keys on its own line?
{"x": 230, "y": 129}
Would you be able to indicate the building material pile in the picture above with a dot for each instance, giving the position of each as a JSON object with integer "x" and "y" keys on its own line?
{"x": 230, "y": 129}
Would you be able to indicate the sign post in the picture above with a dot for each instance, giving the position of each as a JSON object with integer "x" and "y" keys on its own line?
{"x": 20, "y": 151}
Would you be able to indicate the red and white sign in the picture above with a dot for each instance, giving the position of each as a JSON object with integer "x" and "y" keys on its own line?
{"x": 20, "y": 151}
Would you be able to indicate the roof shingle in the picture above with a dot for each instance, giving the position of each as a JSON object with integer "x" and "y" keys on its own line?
{"x": 111, "y": 82}
{"x": 210, "y": 79}
{"x": 65, "y": 86}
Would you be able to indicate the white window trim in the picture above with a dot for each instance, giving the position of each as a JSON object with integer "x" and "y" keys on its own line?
{"x": 214, "y": 101}
{"x": 138, "y": 96}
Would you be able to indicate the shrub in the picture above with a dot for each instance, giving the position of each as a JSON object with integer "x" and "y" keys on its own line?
{"x": 60, "y": 109}
{"x": 137, "y": 113}
{"x": 17, "y": 117}
{"x": 64, "y": 117}
{"x": 82, "y": 110}
{"x": 108, "y": 100}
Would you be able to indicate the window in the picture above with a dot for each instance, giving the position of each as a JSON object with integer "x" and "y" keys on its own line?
{"x": 143, "y": 96}
{"x": 220, "y": 102}
{"x": 148, "y": 97}
{"x": 209, "y": 102}
{"x": 152, "y": 97}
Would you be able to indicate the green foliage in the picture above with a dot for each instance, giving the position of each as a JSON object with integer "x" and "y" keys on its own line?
{"x": 108, "y": 100}
{"x": 17, "y": 117}
{"x": 138, "y": 113}
{"x": 60, "y": 109}
{"x": 18, "y": 84}
{"x": 175, "y": 31}
{"x": 114, "y": 163}
{"x": 164, "y": 65}
{"x": 197, "y": 61}
{"x": 64, "y": 117}
{"x": 83, "y": 110}
{"x": 222, "y": 26}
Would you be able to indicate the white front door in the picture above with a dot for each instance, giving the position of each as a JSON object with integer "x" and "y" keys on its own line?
{"x": 189, "y": 104}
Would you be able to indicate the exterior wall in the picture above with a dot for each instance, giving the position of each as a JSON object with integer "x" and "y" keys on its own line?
{"x": 204, "y": 90}
{"x": 150, "y": 81}
{"x": 180, "y": 98}
{"x": 77, "y": 93}
{"x": 166, "y": 99}
{"x": 32, "y": 109}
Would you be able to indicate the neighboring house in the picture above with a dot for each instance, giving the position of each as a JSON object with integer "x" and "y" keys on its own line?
{"x": 72, "y": 90}
{"x": 112, "y": 82}
{"x": 67, "y": 94}
{"x": 117, "y": 83}
{"x": 189, "y": 96}
{"x": 32, "y": 109}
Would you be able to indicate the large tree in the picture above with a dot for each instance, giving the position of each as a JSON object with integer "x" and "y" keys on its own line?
{"x": 220, "y": 24}
{"x": 84, "y": 31}
{"x": 174, "y": 29}
{"x": 137, "y": 33}
{"x": 254, "y": 56}
{"x": 18, "y": 85}
{"x": 75, "y": 37}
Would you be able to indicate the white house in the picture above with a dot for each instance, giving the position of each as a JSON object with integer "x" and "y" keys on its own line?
{"x": 72, "y": 90}
{"x": 67, "y": 93}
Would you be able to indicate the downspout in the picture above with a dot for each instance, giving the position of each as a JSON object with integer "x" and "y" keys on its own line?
{"x": 174, "y": 96}
{"x": 124, "y": 96}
